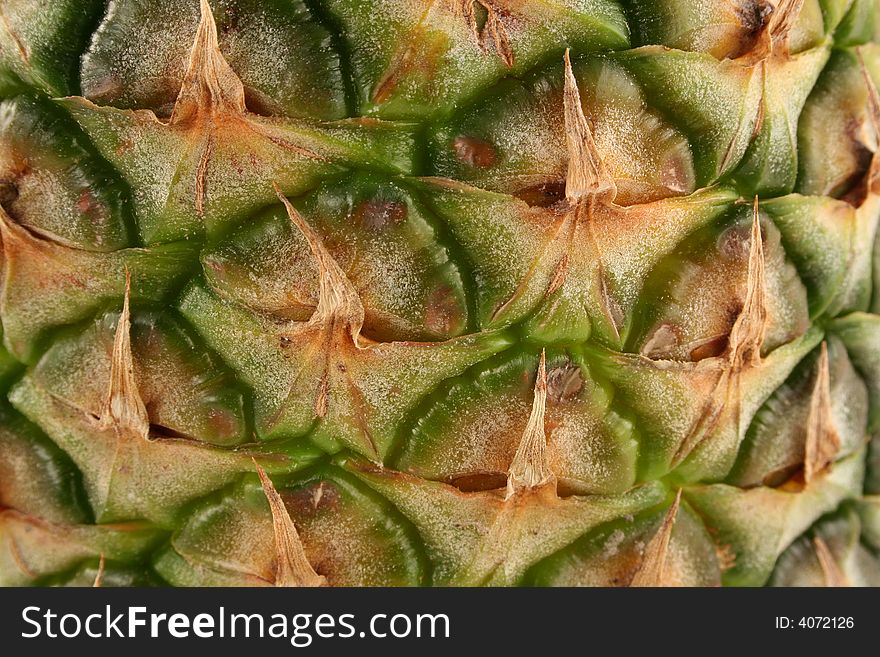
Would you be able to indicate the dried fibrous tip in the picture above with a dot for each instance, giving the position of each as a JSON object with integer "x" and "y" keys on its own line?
{"x": 775, "y": 36}
{"x": 337, "y": 297}
{"x": 747, "y": 333}
{"x": 782, "y": 22}
{"x": 493, "y": 29}
{"x": 124, "y": 410}
{"x": 210, "y": 86}
{"x": 743, "y": 349}
{"x": 99, "y": 577}
{"x": 13, "y": 36}
{"x": 292, "y": 566}
{"x": 652, "y": 571}
{"x": 873, "y": 181}
{"x": 823, "y": 441}
{"x": 530, "y": 468}
{"x": 587, "y": 176}
{"x": 831, "y": 571}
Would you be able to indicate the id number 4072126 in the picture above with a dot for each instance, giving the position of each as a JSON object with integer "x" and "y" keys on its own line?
{"x": 815, "y": 623}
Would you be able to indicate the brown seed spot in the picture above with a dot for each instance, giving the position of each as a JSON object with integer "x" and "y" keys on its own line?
{"x": 8, "y": 192}
{"x": 215, "y": 265}
{"x": 474, "y": 152}
{"x": 222, "y": 422}
{"x": 711, "y": 348}
{"x": 791, "y": 475}
{"x": 443, "y": 314}
{"x": 380, "y": 213}
{"x": 89, "y": 205}
{"x": 162, "y": 431}
{"x": 124, "y": 146}
{"x": 259, "y": 103}
{"x": 853, "y": 189}
{"x": 308, "y": 501}
{"x": 105, "y": 89}
{"x": 473, "y": 482}
{"x": 726, "y": 556}
{"x": 735, "y": 242}
{"x": 544, "y": 195}
{"x": 675, "y": 174}
{"x": 564, "y": 383}
{"x": 86, "y": 203}
{"x": 662, "y": 341}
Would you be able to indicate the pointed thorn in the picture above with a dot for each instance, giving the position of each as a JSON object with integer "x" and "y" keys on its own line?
{"x": 293, "y": 568}
{"x": 781, "y": 24}
{"x": 495, "y": 30}
{"x": 775, "y": 35}
{"x": 99, "y": 577}
{"x": 465, "y": 9}
{"x": 743, "y": 349}
{"x": 823, "y": 441}
{"x": 831, "y": 571}
{"x": 124, "y": 409}
{"x": 873, "y": 96}
{"x": 587, "y": 176}
{"x": 652, "y": 571}
{"x": 210, "y": 86}
{"x": 530, "y": 468}
{"x": 747, "y": 334}
{"x": 337, "y": 297}
{"x": 874, "y": 118}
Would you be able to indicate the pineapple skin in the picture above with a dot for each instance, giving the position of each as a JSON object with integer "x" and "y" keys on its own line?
{"x": 409, "y": 293}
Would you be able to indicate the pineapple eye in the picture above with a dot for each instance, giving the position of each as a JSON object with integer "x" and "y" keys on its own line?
{"x": 376, "y": 214}
{"x": 474, "y": 152}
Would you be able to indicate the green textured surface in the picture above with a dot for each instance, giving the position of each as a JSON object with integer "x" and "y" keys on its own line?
{"x": 433, "y": 172}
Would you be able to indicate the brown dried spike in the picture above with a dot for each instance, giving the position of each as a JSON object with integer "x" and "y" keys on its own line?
{"x": 651, "y": 572}
{"x": 823, "y": 441}
{"x": 99, "y": 577}
{"x": 874, "y": 118}
{"x": 782, "y": 21}
{"x": 747, "y": 333}
{"x": 293, "y": 568}
{"x": 743, "y": 348}
{"x": 530, "y": 468}
{"x": 465, "y": 9}
{"x": 15, "y": 551}
{"x": 124, "y": 410}
{"x": 587, "y": 176}
{"x": 774, "y": 39}
{"x": 495, "y": 30}
{"x": 834, "y": 576}
{"x": 337, "y": 297}
{"x": 13, "y": 35}
{"x": 210, "y": 86}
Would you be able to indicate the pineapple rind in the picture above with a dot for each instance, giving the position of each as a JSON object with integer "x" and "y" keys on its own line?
{"x": 423, "y": 148}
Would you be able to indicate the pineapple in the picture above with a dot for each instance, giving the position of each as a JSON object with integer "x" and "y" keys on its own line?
{"x": 459, "y": 292}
